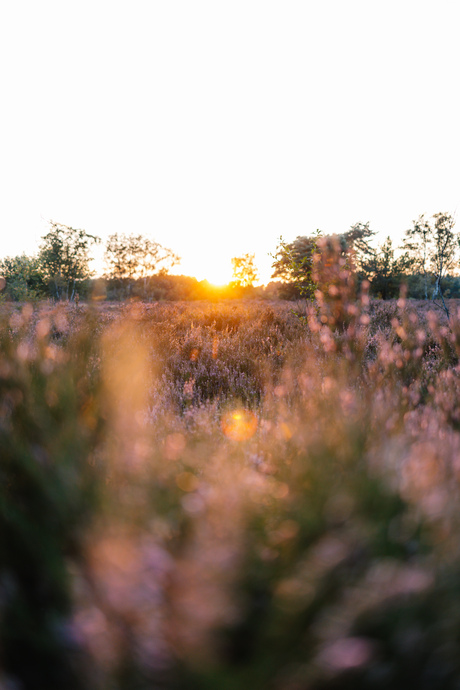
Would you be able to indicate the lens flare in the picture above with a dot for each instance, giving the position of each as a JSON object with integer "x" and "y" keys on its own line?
{"x": 239, "y": 425}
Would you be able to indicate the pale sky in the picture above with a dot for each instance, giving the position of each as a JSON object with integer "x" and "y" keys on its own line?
{"x": 215, "y": 127}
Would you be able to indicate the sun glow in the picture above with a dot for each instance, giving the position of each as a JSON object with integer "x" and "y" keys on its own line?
{"x": 218, "y": 273}
{"x": 217, "y": 284}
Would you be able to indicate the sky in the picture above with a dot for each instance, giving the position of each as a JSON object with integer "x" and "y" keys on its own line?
{"x": 215, "y": 127}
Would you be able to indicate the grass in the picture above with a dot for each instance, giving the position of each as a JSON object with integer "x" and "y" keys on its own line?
{"x": 204, "y": 495}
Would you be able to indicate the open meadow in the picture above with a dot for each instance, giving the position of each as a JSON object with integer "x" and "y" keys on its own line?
{"x": 229, "y": 495}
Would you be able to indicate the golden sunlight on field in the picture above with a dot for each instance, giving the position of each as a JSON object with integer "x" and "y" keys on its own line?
{"x": 225, "y": 495}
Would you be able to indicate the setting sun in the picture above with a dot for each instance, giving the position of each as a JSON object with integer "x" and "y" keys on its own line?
{"x": 216, "y": 270}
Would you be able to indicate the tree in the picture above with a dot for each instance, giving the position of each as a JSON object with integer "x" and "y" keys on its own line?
{"x": 64, "y": 259}
{"x": 23, "y": 277}
{"x": 387, "y": 272}
{"x": 245, "y": 273}
{"x": 417, "y": 242}
{"x": 357, "y": 240}
{"x": 293, "y": 265}
{"x": 444, "y": 253}
{"x": 132, "y": 257}
{"x": 120, "y": 257}
{"x": 433, "y": 247}
{"x": 154, "y": 259}
{"x": 294, "y": 261}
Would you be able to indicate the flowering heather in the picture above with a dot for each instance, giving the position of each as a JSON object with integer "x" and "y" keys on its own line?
{"x": 229, "y": 495}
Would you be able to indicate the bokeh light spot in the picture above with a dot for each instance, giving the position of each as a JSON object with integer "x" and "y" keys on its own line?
{"x": 187, "y": 481}
{"x": 239, "y": 425}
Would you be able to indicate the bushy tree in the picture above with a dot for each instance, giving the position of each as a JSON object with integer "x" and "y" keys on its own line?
{"x": 64, "y": 259}
{"x": 293, "y": 262}
{"x": 24, "y": 279}
{"x": 292, "y": 265}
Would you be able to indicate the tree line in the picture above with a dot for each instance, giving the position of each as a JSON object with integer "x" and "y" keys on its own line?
{"x": 425, "y": 264}
{"x": 61, "y": 269}
{"x": 137, "y": 266}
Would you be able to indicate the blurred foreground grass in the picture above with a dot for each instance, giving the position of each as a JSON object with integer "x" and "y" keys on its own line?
{"x": 227, "y": 496}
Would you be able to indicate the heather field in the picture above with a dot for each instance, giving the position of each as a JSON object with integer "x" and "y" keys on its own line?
{"x": 230, "y": 495}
